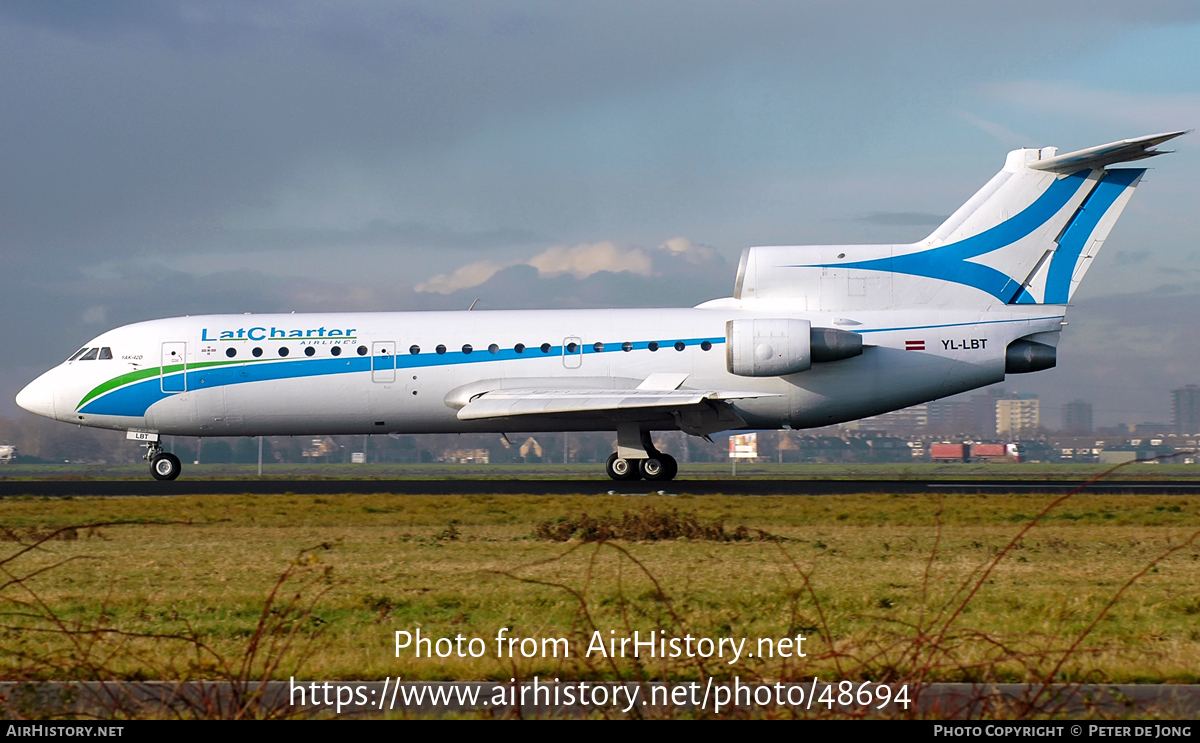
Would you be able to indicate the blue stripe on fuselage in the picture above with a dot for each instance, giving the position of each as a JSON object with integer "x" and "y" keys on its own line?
{"x": 135, "y": 399}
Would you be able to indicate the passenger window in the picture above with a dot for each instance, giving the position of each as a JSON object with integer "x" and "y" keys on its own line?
{"x": 77, "y": 354}
{"x": 572, "y": 347}
{"x": 519, "y": 348}
{"x": 545, "y": 348}
{"x": 440, "y": 349}
{"x": 90, "y": 355}
{"x": 705, "y": 346}
{"x": 597, "y": 346}
{"x": 283, "y": 351}
{"x": 652, "y": 345}
{"x": 680, "y": 345}
{"x": 627, "y": 346}
{"x": 493, "y": 348}
{"x": 467, "y": 348}
{"x": 362, "y": 350}
{"x": 414, "y": 349}
{"x": 231, "y": 352}
{"x": 336, "y": 350}
{"x": 309, "y": 351}
{"x": 257, "y": 352}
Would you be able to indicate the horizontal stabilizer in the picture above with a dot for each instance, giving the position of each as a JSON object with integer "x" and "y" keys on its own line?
{"x": 1095, "y": 158}
{"x": 504, "y": 403}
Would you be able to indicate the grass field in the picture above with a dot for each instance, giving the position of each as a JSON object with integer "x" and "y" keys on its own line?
{"x": 878, "y": 605}
{"x": 918, "y": 470}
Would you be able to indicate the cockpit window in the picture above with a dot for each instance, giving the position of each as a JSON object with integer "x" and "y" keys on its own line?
{"x": 105, "y": 353}
{"x": 90, "y": 355}
{"x": 77, "y": 354}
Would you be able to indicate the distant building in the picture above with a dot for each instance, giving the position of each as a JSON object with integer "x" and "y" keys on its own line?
{"x": 468, "y": 456}
{"x": 1015, "y": 417}
{"x": 907, "y": 421}
{"x": 1185, "y": 403}
{"x": 1077, "y": 417}
{"x": 983, "y": 407}
{"x": 954, "y": 416}
{"x": 1149, "y": 428}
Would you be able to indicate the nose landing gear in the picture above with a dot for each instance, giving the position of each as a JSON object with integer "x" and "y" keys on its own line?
{"x": 163, "y": 465}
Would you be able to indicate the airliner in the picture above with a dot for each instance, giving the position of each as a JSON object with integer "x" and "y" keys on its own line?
{"x": 813, "y": 335}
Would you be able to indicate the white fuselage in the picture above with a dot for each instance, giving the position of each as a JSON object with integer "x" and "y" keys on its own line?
{"x": 362, "y": 378}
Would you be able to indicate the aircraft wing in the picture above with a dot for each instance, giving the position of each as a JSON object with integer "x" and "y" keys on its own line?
{"x": 503, "y": 403}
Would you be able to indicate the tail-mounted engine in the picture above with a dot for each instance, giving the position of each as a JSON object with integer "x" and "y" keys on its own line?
{"x": 1024, "y": 356}
{"x": 775, "y": 347}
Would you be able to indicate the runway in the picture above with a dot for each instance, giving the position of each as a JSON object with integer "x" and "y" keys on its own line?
{"x": 468, "y": 486}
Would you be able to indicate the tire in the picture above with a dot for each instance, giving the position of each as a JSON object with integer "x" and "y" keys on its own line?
{"x": 652, "y": 468}
{"x": 165, "y": 467}
{"x": 621, "y": 469}
{"x": 670, "y": 467}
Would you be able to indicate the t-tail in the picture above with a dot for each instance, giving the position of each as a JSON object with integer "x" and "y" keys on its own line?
{"x": 1027, "y": 237}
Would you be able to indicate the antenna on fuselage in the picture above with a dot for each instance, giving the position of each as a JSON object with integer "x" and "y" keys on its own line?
{"x": 473, "y": 305}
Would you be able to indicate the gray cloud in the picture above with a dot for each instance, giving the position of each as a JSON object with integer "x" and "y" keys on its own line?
{"x": 905, "y": 219}
{"x": 1131, "y": 257}
{"x": 151, "y": 123}
{"x": 375, "y": 233}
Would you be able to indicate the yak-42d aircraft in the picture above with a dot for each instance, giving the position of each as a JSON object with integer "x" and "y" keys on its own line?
{"x": 813, "y": 335}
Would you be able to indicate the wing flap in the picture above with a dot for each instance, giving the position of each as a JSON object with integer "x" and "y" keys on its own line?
{"x": 517, "y": 402}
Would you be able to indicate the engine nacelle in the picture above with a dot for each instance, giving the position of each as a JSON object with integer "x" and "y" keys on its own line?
{"x": 774, "y": 347}
{"x": 767, "y": 348}
{"x": 1024, "y": 356}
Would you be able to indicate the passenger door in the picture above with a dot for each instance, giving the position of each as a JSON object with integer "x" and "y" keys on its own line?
{"x": 173, "y": 367}
{"x": 383, "y": 361}
{"x": 572, "y": 352}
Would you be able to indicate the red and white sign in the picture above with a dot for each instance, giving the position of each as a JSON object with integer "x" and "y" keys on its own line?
{"x": 743, "y": 446}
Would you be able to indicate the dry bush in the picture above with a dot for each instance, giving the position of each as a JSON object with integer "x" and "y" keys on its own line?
{"x": 647, "y": 525}
{"x": 42, "y": 643}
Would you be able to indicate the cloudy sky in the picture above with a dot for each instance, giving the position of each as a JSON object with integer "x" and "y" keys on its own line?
{"x": 162, "y": 158}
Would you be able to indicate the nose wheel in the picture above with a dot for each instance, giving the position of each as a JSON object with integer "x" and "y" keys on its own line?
{"x": 163, "y": 465}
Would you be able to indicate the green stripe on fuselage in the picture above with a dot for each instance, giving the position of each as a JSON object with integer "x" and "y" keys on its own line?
{"x": 139, "y": 375}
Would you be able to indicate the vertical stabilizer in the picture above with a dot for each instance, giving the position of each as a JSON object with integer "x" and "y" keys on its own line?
{"x": 1027, "y": 237}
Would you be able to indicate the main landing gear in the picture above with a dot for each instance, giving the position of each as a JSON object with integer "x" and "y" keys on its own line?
{"x": 163, "y": 465}
{"x": 657, "y": 467}
{"x": 637, "y": 459}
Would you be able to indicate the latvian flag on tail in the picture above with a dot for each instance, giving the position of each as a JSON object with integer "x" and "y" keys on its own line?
{"x": 914, "y": 345}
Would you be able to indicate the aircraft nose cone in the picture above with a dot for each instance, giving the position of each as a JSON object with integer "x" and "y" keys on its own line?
{"x": 38, "y": 397}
